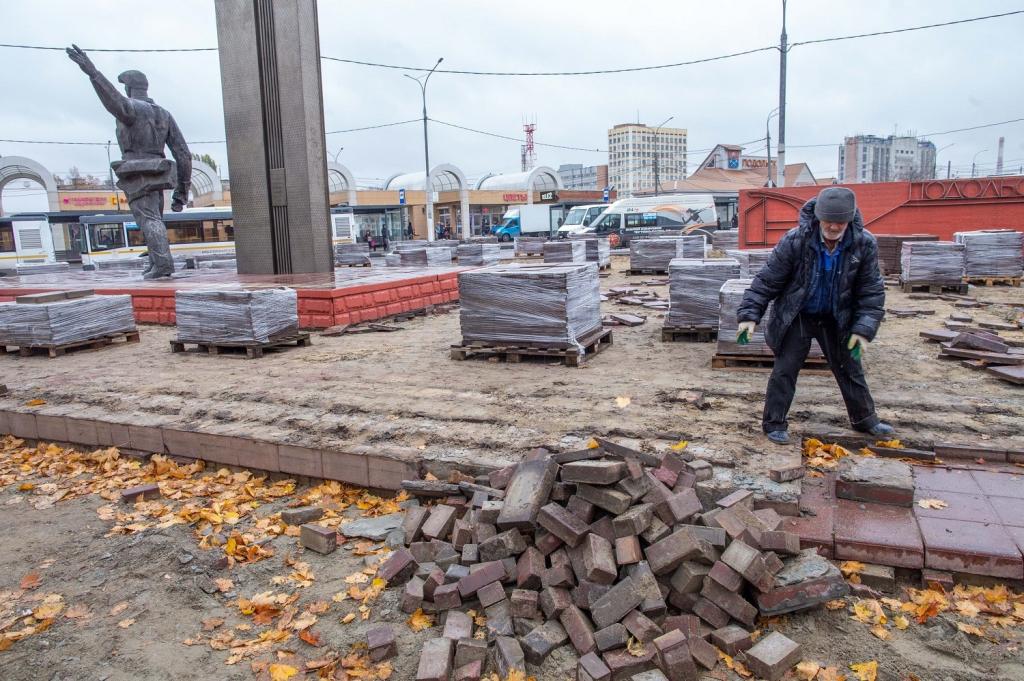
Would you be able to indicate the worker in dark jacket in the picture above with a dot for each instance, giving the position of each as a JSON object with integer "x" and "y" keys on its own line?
{"x": 824, "y": 279}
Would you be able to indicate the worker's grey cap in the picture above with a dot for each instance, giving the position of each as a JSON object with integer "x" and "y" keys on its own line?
{"x": 836, "y": 204}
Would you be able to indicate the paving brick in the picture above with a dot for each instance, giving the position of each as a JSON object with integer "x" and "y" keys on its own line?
{"x": 773, "y": 656}
{"x": 380, "y": 641}
{"x": 470, "y": 554}
{"x": 435, "y": 660}
{"x": 742, "y": 497}
{"x": 524, "y": 603}
{"x": 786, "y": 473}
{"x": 973, "y": 508}
{"x": 143, "y": 492}
{"x": 611, "y": 637}
{"x": 598, "y": 560}
{"x": 769, "y": 518}
{"x": 567, "y": 526}
{"x": 715, "y": 536}
{"x": 772, "y": 562}
{"x": 710, "y": 613}
{"x": 732, "y": 639}
{"x": 656, "y": 531}
{"x": 579, "y": 628}
{"x": 945, "y": 480}
{"x": 301, "y": 515}
{"x": 666, "y": 555}
{"x": 540, "y": 642}
{"x": 683, "y": 505}
{"x": 602, "y": 527}
{"x": 874, "y": 480}
{"x": 561, "y": 576}
{"x": 635, "y": 487}
{"x": 500, "y": 478}
{"x": 505, "y": 544}
{"x": 878, "y": 533}
{"x": 499, "y": 619}
{"x": 435, "y": 578}
{"x": 640, "y": 626}
{"x": 609, "y": 499}
{"x": 508, "y": 656}
{"x": 587, "y": 593}
{"x": 468, "y": 650}
{"x": 687, "y": 625}
{"x": 624, "y": 664}
{"x": 439, "y": 522}
{"x": 547, "y": 542}
{"x": 996, "y": 484}
{"x": 974, "y": 548}
{"x": 481, "y": 576}
{"x": 734, "y": 604}
{"x": 815, "y": 531}
{"x": 457, "y": 625}
{"x": 526, "y": 493}
{"x": 650, "y": 675}
{"x": 804, "y": 582}
{"x": 627, "y": 550}
{"x": 878, "y": 577}
{"x": 318, "y": 538}
{"x": 939, "y": 579}
{"x": 620, "y": 599}
{"x": 594, "y": 472}
{"x": 780, "y": 541}
{"x": 725, "y": 576}
{"x": 745, "y": 560}
{"x": 703, "y": 652}
{"x": 676, "y": 660}
{"x": 529, "y": 567}
{"x": 594, "y": 667}
{"x": 469, "y": 672}
{"x": 109, "y": 434}
{"x": 634, "y": 521}
{"x": 490, "y": 594}
{"x": 689, "y": 577}
{"x": 554, "y": 600}
{"x": 665, "y": 476}
{"x": 700, "y": 468}
{"x": 412, "y": 595}
{"x": 447, "y": 597}
{"x": 581, "y": 508}
{"x": 490, "y": 510}
{"x": 397, "y": 567}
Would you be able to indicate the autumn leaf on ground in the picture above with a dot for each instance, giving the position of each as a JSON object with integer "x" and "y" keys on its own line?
{"x": 679, "y": 446}
{"x": 310, "y": 637}
{"x": 623, "y": 401}
{"x": 970, "y": 629}
{"x": 419, "y": 620}
{"x": 125, "y": 623}
{"x": 119, "y": 608}
{"x": 807, "y": 670}
{"x": 830, "y": 674}
{"x": 836, "y": 604}
{"x": 932, "y": 503}
{"x": 35, "y": 403}
{"x": 901, "y": 622}
{"x": 635, "y": 647}
{"x": 968, "y": 608}
{"x": 869, "y": 611}
{"x": 77, "y": 611}
{"x": 878, "y": 631}
{"x": 211, "y": 623}
{"x": 348, "y": 618}
{"x": 890, "y": 444}
{"x": 865, "y": 671}
{"x": 224, "y": 585}
{"x": 852, "y": 567}
{"x": 281, "y": 672}
{"x": 30, "y": 581}
{"x": 592, "y": 444}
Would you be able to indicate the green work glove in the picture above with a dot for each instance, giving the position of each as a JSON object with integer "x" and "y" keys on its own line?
{"x": 744, "y": 332}
{"x": 856, "y": 346}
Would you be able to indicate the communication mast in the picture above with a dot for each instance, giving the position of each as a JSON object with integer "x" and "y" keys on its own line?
{"x": 529, "y": 155}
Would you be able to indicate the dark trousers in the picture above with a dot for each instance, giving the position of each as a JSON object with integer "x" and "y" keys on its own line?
{"x": 789, "y": 358}
{"x": 148, "y": 211}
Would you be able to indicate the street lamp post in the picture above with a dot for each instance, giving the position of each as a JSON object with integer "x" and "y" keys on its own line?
{"x": 768, "y": 138}
{"x": 949, "y": 164}
{"x": 338, "y": 153}
{"x": 657, "y": 182}
{"x": 975, "y": 158}
{"x": 117, "y": 197}
{"x": 783, "y": 49}
{"x": 428, "y": 194}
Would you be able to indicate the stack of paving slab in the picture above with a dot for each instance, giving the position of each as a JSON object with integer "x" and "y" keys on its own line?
{"x": 932, "y": 262}
{"x": 439, "y": 256}
{"x": 694, "y": 289}
{"x": 565, "y": 251}
{"x": 63, "y": 317}
{"x": 235, "y": 316}
{"x": 598, "y": 250}
{"x": 729, "y": 298}
{"x": 599, "y": 550}
{"x": 479, "y": 254}
{"x": 132, "y": 263}
{"x": 352, "y": 254}
{"x": 890, "y": 247}
{"x": 723, "y": 239}
{"x": 530, "y": 245}
{"x": 751, "y": 260}
{"x": 554, "y": 306}
{"x": 42, "y": 268}
{"x": 992, "y": 253}
{"x": 656, "y": 254}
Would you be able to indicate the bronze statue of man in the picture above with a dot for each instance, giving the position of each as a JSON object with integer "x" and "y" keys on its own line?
{"x": 143, "y": 129}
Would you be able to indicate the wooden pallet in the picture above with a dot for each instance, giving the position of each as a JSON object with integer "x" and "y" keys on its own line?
{"x": 634, "y": 273}
{"x": 692, "y": 334}
{"x": 56, "y": 350}
{"x": 933, "y": 287}
{"x": 252, "y": 350}
{"x": 815, "y": 366}
{"x": 354, "y": 264}
{"x": 993, "y": 281}
{"x": 572, "y": 357}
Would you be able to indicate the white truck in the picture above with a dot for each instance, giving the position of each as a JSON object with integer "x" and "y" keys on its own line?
{"x": 579, "y": 218}
{"x": 528, "y": 220}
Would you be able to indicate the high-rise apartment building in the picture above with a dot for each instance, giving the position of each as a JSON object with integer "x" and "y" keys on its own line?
{"x": 868, "y": 158}
{"x": 578, "y": 177}
{"x": 635, "y": 150}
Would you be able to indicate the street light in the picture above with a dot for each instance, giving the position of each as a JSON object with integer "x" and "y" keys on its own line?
{"x": 426, "y": 150}
{"x": 768, "y": 138}
{"x": 975, "y": 158}
{"x": 338, "y": 153}
{"x": 949, "y": 162}
{"x": 657, "y": 183}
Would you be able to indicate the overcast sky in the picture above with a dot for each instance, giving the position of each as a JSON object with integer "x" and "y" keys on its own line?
{"x": 919, "y": 82}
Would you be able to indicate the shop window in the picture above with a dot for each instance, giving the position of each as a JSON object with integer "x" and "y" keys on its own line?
{"x": 106, "y": 236}
{"x": 7, "y": 238}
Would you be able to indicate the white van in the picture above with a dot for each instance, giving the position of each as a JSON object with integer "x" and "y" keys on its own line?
{"x": 628, "y": 219}
{"x": 579, "y": 218}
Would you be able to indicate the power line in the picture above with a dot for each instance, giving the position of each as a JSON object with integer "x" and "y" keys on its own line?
{"x": 109, "y": 49}
{"x": 923, "y": 134}
{"x": 904, "y": 30}
{"x": 516, "y": 139}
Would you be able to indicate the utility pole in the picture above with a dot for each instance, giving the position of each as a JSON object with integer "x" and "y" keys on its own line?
{"x": 975, "y": 159}
{"x": 768, "y": 137}
{"x": 657, "y": 130}
{"x": 949, "y": 168}
{"x": 781, "y": 163}
{"x": 117, "y": 197}
{"x": 427, "y": 185}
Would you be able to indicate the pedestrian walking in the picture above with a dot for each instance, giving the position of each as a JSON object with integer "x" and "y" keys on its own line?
{"x": 385, "y": 237}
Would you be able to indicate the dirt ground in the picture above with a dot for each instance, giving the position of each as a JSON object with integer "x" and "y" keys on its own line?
{"x": 402, "y": 388}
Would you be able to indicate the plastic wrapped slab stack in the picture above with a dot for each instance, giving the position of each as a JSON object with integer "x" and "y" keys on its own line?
{"x": 656, "y": 254}
{"x": 932, "y": 262}
{"x": 352, "y": 254}
{"x": 551, "y": 306}
{"x": 53, "y": 319}
{"x": 530, "y": 245}
{"x": 479, "y": 254}
{"x": 598, "y": 250}
{"x": 392, "y": 260}
{"x": 565, "y": 251}
{"x": 483, "y": 239}
{"x": 992, "y": 253}
{"x": 250, "y": 316}
{"x": 411, "y": 244}
{"x": 729, "y": 298}
{"x": 42, "y": 268}
{"x": 694, "y": 286}
{"x": 751, "y": 261}
{"x": 726, "y": 239}
{"x": 132, "y": 263}
{"x": 890, "y": 247}
{"x": 426, "y": 257}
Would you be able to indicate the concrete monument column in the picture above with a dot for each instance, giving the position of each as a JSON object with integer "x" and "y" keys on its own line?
{"x": 274, "y": 118}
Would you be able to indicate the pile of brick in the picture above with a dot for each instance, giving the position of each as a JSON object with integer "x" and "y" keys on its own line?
{"x": 62, "y": 317}
{"x": 694, "y": 286}
{"x": 609, "y": 550}
{"x": 242, "y": 316}
{"x": 565, "y": 251}
{"x": 890, "y": 246}
{"x": 932, "y": 262}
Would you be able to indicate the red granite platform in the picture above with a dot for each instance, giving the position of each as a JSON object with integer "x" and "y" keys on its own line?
{"x": 346, "y": 296}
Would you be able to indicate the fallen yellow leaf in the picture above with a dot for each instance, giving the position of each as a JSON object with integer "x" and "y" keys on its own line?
{"x": 224, "y": 585}
{"x": 35, "y": 403}
{"x": 592, "y": 444}
{"x": 890, "y": 444}
{"x": 865, "y": 671}
{"x": 623, "y": 401}
{"x": 124, "y": 624}
{"x": 635, "y": 647}
{"x": 281, "y": 672}
{"x": 419, "y": 620}
{"x": 852, "y": 567}
{"x": 807, "y": 670}
{"x": 901, "y": 622}
{"x": 878, "y": 631}
{"x": 932, "y": 503}
{"x": 348, "y": 618}
{"x": 836, "y": 604}
{"x": 679, "y": 446}
{"x": 970, "y": 629}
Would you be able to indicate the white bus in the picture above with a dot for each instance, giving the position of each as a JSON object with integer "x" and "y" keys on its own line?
{"x": 651, "y": 216}
{"x": 25, "y": 239}
{"x": 193, "y": 231}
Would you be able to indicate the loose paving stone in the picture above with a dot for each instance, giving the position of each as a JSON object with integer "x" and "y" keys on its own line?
{"x": 689, "y": 577}
{"x": 579, "y": 628}
{"x": 567, "y": 526}
{"x": 623, "y": 663}
{"x": 725, "y": 576}
{"x": 620, "y": 599}
{"x": 703, "y": 652}
{"x": 470, "y": 672}
{"x": 806, "y": 580}
{"x": 974, "y": 548}
{"x": 147, "y": 492}
{"x": 634, "y": 521}
{"x": 318, "y": 538}
{"x": 611, "y": 637}
{"x": 598, "y": 560}
{"x": 489, "y": 511}
{"x": 372, "y": 528}
{"x": 529, "y": 568}
{"x": 656, "y": 531}
{"x": 666, "y": 555}
{"x": 783, "y": 542}
{"x": 595, "y": 668}
{"x": 412, "y": 596}
{"x": 682, "y": 506}
{"x": 732, "y": 639}
{"x": 931, "y": 578}
{"x": 468, "y": 650}
{"x": 446, "y": 596}
{"x": 508, "y": 656}
{"x": 611, "y": 500}
{"x": 676, "y": 660}
{"x": 380, "y": 641}
{"x": 745, "y": 560}
{"x": 503, "y": 545}
{"x": 769, "y": 518}
{"x": 688, "y": 625}
{"x": 742, "y": 497}
{"x": 490, "y": 594}
{"x": 586, "y": 593}
{"x": 526, "y": 493}
{"x": 558, "y": 576}
{"x": 554, "y": 600}
{"x": 457, "y": 625}
{"x": 710, "y": 613}
{"x": 593, "y": 472}
{"x": 301, "y": 515}
{"x": 525, "y": 603}
{"x": 484, "y": 574}
{"x": 499, "y": 619}
{"x": 435, "y": 660}
{"x": 584, "y": 510}
{"x": 734, "y": 604}
{"x": 470, "y": 554}
{"x": 874, "y": 480}
{"x": 641, "y": 627}
{"x": 773, "y": 656}
{"x": 878, "y": 577}
{"x": 438, "y": 524}
{"x": 650, "y": 675}
{"x": 627, "y": 550}
{"x": 793, "y": 471}
{"x": 878, "y": 533}
{"x": 539, "y": 643}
